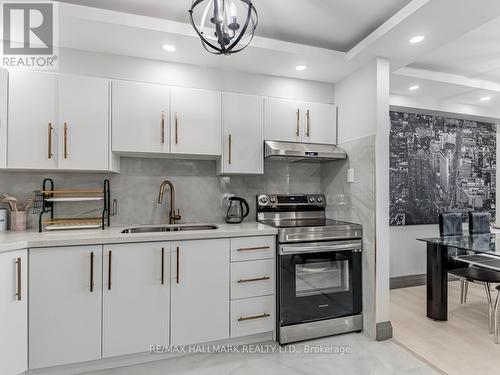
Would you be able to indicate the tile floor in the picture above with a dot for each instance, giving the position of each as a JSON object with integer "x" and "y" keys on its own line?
{"x": 367, "y": 357}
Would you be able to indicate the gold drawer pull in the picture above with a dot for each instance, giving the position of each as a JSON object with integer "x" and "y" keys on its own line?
{"x": 176, "y": 128}
{"x": 308, "y": 128}
{"x": 253, "y": 248}
{"x": 230, "y": 148}
{"x": 49, "y": 143}
{"x": 65, "y": 140}
{"x": 244, "y": 318}
{"x": 162, "y": 127}
{"x": 240, "y": 281}
{"x": 18, "y": 279}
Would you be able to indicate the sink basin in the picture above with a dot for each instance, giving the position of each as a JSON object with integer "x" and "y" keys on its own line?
{"x": 168, "y": 228}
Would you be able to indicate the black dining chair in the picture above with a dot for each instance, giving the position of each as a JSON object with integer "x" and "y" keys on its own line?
{"x": 450, "y": 224}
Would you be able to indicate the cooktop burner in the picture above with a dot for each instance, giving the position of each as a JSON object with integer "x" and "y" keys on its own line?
{"x": 294, "y": 223}
{"x": 301, "y": 218}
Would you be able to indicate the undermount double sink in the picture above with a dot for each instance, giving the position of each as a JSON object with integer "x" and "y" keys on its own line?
{"x": 168, "y": 228}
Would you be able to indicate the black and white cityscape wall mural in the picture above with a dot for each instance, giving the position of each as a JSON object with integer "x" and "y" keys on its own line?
{"x": 440, "y": 164}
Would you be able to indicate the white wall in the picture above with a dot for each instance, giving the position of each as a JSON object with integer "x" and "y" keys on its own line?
{"x": 355, "y": 97}
{"x": 175, "y": 74}
{"x": 407, "y": 255}
{"x": 3, "y": 115}
{"x": 363, "y": 128}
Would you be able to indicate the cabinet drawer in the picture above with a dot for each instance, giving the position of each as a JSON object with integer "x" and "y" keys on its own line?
{"x": 250, "y": 248}
{"x": 252, "y": 315}
{"x": 252, "y": 279}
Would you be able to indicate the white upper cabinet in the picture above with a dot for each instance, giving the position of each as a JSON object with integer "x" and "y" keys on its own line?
{"x": 200, "y": 291}
{"x": 13, "y": 312}
{"x": 283, "y": 120}
{"x": 33, "y": 128}
{"x": 83, "y": 123}
{"x": 4, "y": 79}
{"x": 65, "y": 305}
{"x": 57, "y": 122}
{"x": 136, "y": 297}
{"x": 320, "y": 123}
{"x": 195, "y": 122}
{"x": 298, "y": 121}
{"x": 242, "y": 129}
{"x": 140, "y": 117}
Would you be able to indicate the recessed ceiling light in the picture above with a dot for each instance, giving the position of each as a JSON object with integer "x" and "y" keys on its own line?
{"x": 417, "y": 39}
{"x": 300, "y": 67}
{"x": 168, "y": 47}
{"x": 485, "y": 98}
{"x": 414, "y": 87}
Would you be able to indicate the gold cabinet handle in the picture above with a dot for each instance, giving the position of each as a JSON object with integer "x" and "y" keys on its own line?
{"x": 176, "y": 128}
{"x": 91, "y": 272}
{"x": 18, "y": 279}
{"x": 162, "y": 266}
{"x": 264, "y": 278}
{"x": 297, "y": 131}
{"x": 65, "y": 140}
{"x": 308, "y": 126}
{"x": 162, "y": 127}
{"x": 109, "y": 269}
{"x": 230, "y": 148}
{"x": 49, "y": 131}
{"x": 253, "y": 248}
{"x": 178, "y": 265}
{"x": 244, "y": 318}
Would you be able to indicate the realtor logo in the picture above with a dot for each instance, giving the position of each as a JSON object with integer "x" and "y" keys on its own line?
{"x": 29, "y": 34}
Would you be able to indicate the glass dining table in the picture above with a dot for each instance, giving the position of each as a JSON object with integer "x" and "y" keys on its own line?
{"x": 452, "y": 252}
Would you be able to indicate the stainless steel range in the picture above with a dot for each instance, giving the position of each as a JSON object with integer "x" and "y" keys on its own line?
{"x": 318, "y": 267}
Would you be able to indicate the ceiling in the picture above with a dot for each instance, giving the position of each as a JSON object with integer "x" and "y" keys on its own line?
{"x": 474, "y": 55}
{"x": 117, "y": 32}
{"x": 332, "y": 24}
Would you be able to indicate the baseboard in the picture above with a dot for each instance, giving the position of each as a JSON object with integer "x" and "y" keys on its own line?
{"x": 383, "y": 331}
{"x": 135, "y": 359}
{"x": 407, "y": 281}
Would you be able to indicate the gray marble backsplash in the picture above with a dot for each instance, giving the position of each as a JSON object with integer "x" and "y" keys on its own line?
{"x": 355, "y": 202}
{"x": 199, "y": 191}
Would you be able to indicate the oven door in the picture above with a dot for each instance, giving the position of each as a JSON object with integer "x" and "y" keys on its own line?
{"x": 319, "y": 281}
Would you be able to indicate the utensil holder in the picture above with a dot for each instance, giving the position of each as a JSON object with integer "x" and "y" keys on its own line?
{"x": 17, "y": 220}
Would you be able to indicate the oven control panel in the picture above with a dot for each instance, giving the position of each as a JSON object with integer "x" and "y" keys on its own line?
{"x": 276, "y": 200}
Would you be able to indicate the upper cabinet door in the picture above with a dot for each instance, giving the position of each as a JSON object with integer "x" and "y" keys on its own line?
{"x": 13, "y": 312}
{"x": 83, "y": 123}
{"x": 283, "y": 120}
{"x": 243, "y": 124}
{"x": 320, "y": 123}
{"x": 136, "y": 303}
{"x": 195, "y": 122}
{"x": 3, "y": 116}
{"x": 140, "y": 117}
{"x": 33, "y": 131}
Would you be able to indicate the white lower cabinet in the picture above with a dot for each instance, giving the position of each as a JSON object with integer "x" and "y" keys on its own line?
{"x": 13, "y": 312}
{"x": 250, "y": 316}
{"x": 252, "y": 285}
{"x": 65, "y": 305}
{"x": 136, "y": 297}
{"x": 200, "y": 291}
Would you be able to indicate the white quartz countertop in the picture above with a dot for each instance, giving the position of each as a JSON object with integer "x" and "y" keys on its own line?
{"x": 10, "y": 241}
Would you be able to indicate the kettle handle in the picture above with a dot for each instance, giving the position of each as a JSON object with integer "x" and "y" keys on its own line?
{"x": 245, "y": 203}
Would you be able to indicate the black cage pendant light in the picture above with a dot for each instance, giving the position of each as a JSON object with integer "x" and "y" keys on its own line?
{"x": 224, "y": 26}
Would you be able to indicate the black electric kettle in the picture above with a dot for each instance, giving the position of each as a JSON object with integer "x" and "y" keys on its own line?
{"x": 237, "y": 211}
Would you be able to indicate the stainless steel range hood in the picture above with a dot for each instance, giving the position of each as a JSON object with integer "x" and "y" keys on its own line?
{"x": 302, "y": 152}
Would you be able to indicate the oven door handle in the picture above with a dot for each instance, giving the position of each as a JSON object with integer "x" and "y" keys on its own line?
{"x": 353, "y": 246}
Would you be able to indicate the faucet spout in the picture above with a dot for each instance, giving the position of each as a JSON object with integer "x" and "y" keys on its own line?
{"x": 172, "y": 216}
